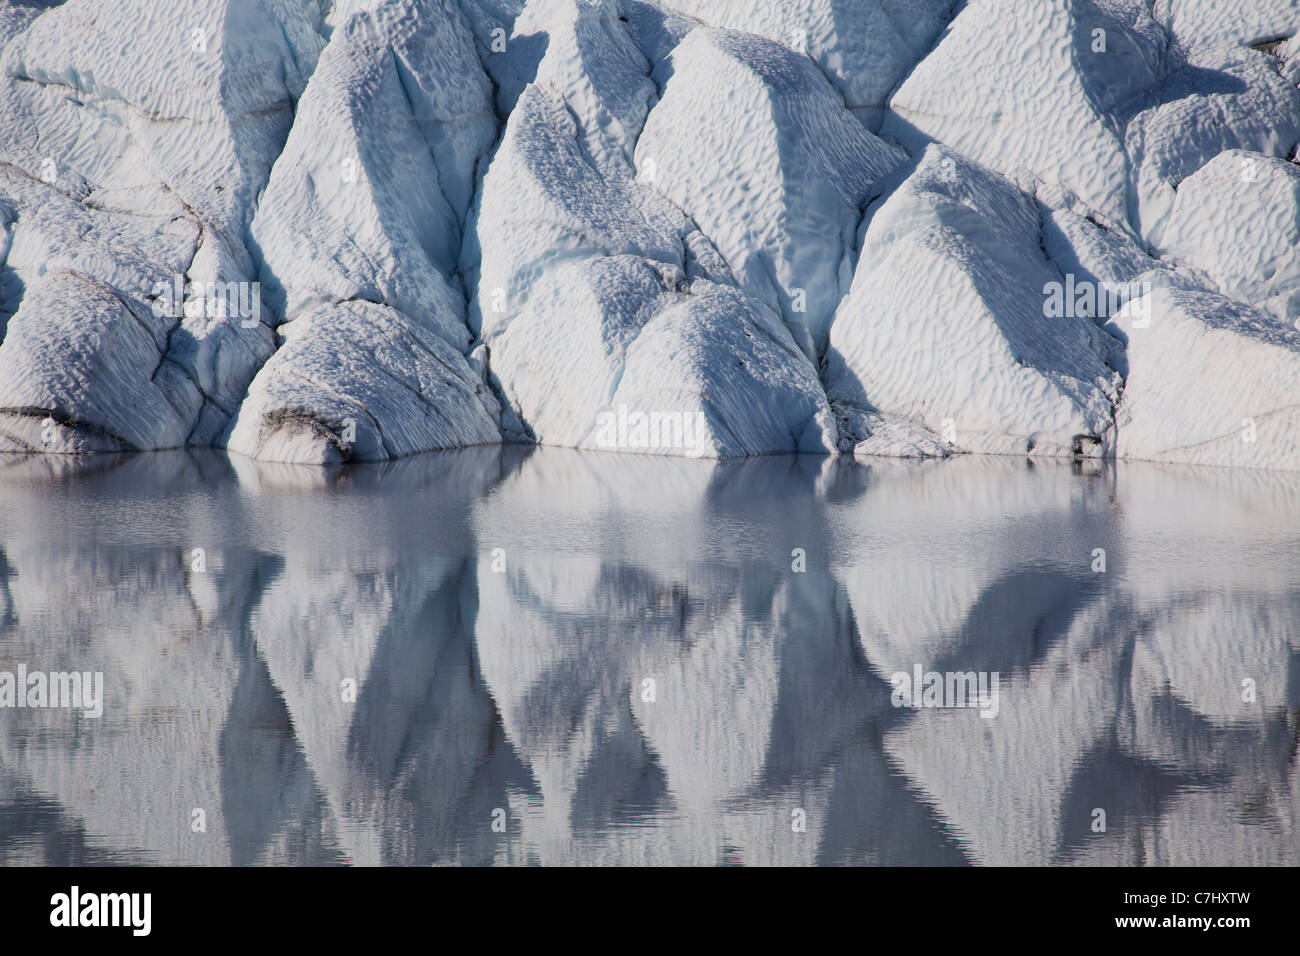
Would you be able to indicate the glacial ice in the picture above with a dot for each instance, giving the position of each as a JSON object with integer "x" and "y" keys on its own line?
{"x": 1208, "y": 381}
{"x": 865, "y": 47}
{"x": 360, "y": 381}
{"x": 1228, "y": 98}
{"x": 161, "y": 156}
{"x": 821, "y": 226}
{"x": 1208, "y": 23}
{"x": 599, "y": 298}
{"x": 956, "y": 283}
{"x": 1237, "y": 220}
{"x": 973, "y": 94}
{"x": 359, "y": 231}
{"x": 738, "y": 105}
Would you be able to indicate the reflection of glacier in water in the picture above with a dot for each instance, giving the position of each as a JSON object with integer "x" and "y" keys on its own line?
{"x": 516, "y": 681}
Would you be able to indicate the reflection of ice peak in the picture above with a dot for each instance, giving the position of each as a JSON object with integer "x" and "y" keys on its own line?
{"x": 625, "y": 658}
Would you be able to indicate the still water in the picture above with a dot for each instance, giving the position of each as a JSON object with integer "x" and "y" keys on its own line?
{"x": 504, "y": 656}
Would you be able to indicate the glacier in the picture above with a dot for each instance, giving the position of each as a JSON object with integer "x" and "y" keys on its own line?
{"x": 322, "y": 231}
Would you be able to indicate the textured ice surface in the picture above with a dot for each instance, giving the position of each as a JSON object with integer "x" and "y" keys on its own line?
{"x": 360, "y": 381}
{"x": 668, "y": 226}
{"x": 972, "y": 93}
{"x": 945, "y": 326}
{"x": 370, "y": 192}
{"x": 127, "y": 171}
{"x": 1237, "y": 219}
{"x": 360, "y": 231}
{"x": 1198, "y": 23}
{"x": 601, "y": 302}
{"x": 865, "y": 47}
{"x": 1209, "y": 381}
{"x": 1230, "y": 98}
{"x": 754, "y": 145}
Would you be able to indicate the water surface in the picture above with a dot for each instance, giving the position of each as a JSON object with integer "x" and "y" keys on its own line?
{"x": 575, "y": 658}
